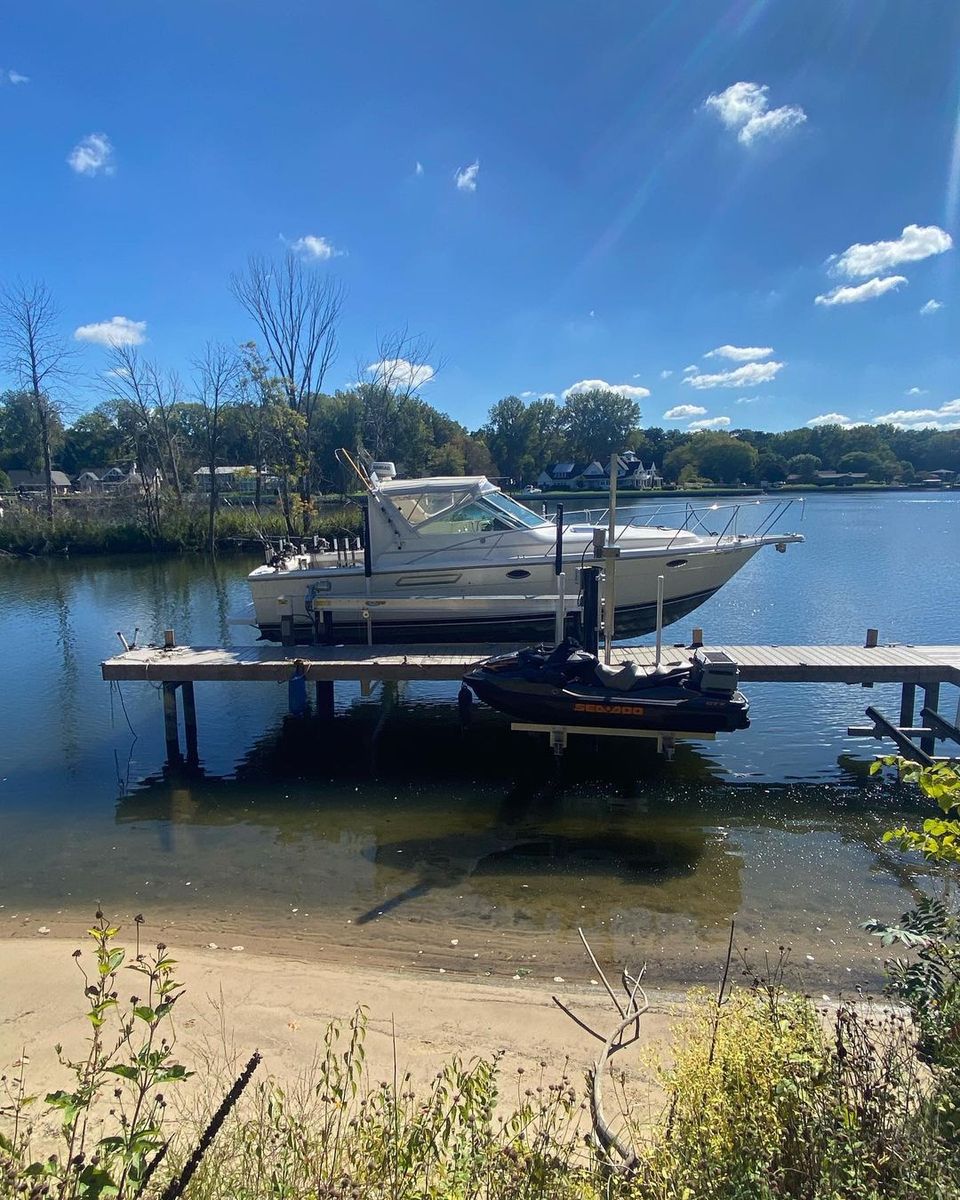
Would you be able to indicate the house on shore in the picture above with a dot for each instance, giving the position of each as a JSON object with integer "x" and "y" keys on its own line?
{"x": 36, "y": 481}
{"x": 631, "y": 473}
{"x": 240, "y": 481}
{"x": 121, "y": 477}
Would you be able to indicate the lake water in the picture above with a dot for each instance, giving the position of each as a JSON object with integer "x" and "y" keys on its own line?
{"x": 306, "y": 841}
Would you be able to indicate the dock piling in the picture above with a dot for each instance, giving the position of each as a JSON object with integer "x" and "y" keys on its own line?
{"x": 170, "y": 731}
{"x": 189, "y": 723}
{"x": 908, "y": 703}
{"x": 325, "y": 699}
{"x": 931, "y": 701}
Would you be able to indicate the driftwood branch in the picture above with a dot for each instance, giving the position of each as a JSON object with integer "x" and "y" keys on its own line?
{"x": 619, "y": 1156}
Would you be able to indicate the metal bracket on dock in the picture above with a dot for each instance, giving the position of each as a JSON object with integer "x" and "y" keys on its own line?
{"x": 936, "y": 727}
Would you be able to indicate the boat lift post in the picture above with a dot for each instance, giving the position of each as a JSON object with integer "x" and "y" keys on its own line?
{"x": 561, "y": 581}
{"x": 656, "y": 661}
{"x": 610, "y": 553}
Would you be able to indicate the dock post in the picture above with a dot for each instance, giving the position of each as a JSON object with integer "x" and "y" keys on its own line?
{"x": 190, "y": 723}
{"x": 325, "y": 699}
{"x": 908, "y": 704}
{"x": 170, "y": 732}
{"x": 931, "y": 700}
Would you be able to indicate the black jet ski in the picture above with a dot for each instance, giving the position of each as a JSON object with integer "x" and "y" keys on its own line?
{"x": 569, "y": 686}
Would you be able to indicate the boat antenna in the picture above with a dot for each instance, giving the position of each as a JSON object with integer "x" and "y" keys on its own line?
{"x": 345, "y": 458}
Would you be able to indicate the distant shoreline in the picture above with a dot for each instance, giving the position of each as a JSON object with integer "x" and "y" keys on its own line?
{"x": 667, "y": 494}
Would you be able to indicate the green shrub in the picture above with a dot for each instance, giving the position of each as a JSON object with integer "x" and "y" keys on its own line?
{"x": 765, "y": 1100}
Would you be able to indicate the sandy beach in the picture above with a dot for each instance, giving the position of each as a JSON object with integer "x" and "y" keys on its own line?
{"x": 243, "y": 1001}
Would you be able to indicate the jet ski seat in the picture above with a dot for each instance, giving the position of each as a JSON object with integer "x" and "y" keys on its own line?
{"x": 629, "y": 676}
{"x": 621, "y": 679}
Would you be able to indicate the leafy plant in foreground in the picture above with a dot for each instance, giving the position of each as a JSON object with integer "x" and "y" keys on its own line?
{"x": 111, "y": 1115}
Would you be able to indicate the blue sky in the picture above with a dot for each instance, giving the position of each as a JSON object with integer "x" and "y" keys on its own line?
{"x": 583, "y": 209}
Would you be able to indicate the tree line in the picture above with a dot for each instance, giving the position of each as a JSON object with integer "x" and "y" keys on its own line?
{"x": 264, "y": 404}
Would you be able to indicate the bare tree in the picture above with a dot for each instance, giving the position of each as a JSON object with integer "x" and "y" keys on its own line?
{"x": 400, "y": 368}
{"x": 297, "y": 312}
{"x": 153, "y": 395}
{"x": 217, "y": 381}
{"x": 37, "y": 354}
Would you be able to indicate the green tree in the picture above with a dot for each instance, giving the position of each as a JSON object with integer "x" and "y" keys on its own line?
{"x": 21, "y": 440}
{"x": 93, "y": 440}
{"x": 867, "y": 463}
{"x": 771, "y": 467}
{"x": 725, "y": 459}
{"x": 522, "y": 438}
{"x": 598, "y": 423}
{"x": 805, "y": 466}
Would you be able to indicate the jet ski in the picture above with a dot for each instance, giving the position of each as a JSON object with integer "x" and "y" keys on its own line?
{"x": 569, "y": 686}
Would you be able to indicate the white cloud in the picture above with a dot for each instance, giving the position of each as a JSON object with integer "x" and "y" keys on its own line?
{"x": 741, "y": 353}
{"x": 830, "y": 419}
{"x": 91, "y": 155}
{"x": 314, "y": 248}
{"x": 749, "y": 375}
{"x": 931, "y": 307}
{"x": 15, "y": 77}
{"x": 915, "y": 391}
{"x": 418, "y": 168}
{"x": 863, "y": 291}
{"x": 683, "y": 412}
{"x": 466, "y": 177}
{"x": 872, "y": 258}
{"x": 692, "y": 369}
{"x": 709, "y": 423}
{"x": 398, "y": 372}
{"x": 947, "y": 416}
{"x": 592, "y": 385}
{"x": 746, "y": 399}
{"x": 663, "y": 375}
{"x": 118, "y": 331}
{"x": 745, "y": 108}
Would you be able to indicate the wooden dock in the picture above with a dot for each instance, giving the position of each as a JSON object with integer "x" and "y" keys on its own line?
{"x": 178, "y": 668}
{"x": 895, "y": 663}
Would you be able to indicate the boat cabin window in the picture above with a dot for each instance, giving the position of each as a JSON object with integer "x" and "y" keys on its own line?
{"x": 438, "y": 513}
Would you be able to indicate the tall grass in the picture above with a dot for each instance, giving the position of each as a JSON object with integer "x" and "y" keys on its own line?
{"x": 85, "y": 527}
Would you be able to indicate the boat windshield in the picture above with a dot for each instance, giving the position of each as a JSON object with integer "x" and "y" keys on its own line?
{"x": 520, "y": 512}
{"x": 456, "y": 512}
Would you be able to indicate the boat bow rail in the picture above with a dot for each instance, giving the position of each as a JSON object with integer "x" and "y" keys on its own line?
{"x": 715, "y": 522}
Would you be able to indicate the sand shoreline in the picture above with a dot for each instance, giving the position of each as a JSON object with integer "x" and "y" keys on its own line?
{"x": 238, "y": 1001}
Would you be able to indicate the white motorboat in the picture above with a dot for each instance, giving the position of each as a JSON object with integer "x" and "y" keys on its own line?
{"x": 454, "y": 559}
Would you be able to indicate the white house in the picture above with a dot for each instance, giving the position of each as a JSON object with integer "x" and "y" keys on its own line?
{"x": 631, "y": 473}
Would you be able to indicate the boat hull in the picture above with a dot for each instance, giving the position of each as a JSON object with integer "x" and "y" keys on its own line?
{"x": 480, "y": 608}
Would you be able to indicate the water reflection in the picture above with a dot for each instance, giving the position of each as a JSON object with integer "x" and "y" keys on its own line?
{"x": 511, "y": 840}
